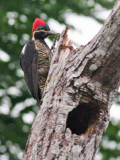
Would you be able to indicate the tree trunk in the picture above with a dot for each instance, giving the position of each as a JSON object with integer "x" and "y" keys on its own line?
{"x": 81, "y": 87}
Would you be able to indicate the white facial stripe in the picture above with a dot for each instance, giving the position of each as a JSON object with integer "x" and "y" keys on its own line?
{"x": 23, "y": 50}
{"x": 41, "y": 30}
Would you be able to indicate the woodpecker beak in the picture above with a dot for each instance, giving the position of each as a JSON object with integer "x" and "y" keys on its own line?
{"x": 43, "y": 34}
{"x": 48, "y": 33}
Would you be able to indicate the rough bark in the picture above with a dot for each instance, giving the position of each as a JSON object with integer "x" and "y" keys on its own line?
{"x": 81, "y": 87}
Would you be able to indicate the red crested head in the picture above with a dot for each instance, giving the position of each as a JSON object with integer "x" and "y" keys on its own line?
{"x": 37, "y": 22}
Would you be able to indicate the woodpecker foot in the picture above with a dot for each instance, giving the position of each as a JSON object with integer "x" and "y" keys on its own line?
{"x": 57, "y": 36}
{"x": 48, "y": 80}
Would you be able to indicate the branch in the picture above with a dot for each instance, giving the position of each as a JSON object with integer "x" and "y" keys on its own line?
{"x": 81, "y": 87}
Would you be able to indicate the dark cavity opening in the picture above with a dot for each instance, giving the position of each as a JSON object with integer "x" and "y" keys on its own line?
{"x": 83, "y": 118}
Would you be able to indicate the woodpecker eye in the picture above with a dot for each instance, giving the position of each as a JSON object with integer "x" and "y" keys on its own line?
{"x": 41, "y": 28}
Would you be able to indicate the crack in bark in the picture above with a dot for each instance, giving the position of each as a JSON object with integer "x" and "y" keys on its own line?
{"x": 51, "y": 136}
{"x": 40, "y": 147}
{"x": 95, "y": 147}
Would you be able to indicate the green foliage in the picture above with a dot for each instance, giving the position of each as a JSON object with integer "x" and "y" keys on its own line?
{"x": 16, "y": 18}
{"x": 110, "y": 146}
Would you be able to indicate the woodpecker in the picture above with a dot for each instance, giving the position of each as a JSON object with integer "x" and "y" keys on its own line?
{"x": 35, "y": 59}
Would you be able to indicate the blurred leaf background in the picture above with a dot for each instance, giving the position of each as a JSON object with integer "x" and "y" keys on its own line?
{"x": 17, "y": 108}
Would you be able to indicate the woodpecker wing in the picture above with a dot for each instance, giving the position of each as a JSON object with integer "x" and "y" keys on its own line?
{"x": 29, "y": 64}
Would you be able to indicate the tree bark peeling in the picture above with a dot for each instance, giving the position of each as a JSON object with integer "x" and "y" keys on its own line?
{"x": 80, "y": 89}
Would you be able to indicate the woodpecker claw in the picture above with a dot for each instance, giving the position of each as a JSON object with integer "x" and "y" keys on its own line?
{"x": 58, "y": 36}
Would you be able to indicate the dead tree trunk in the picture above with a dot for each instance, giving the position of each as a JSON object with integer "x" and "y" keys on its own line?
{"x": 81, "y": 87}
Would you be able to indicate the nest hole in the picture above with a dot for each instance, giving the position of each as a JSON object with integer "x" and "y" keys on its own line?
{"x": 83, "y": 118}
